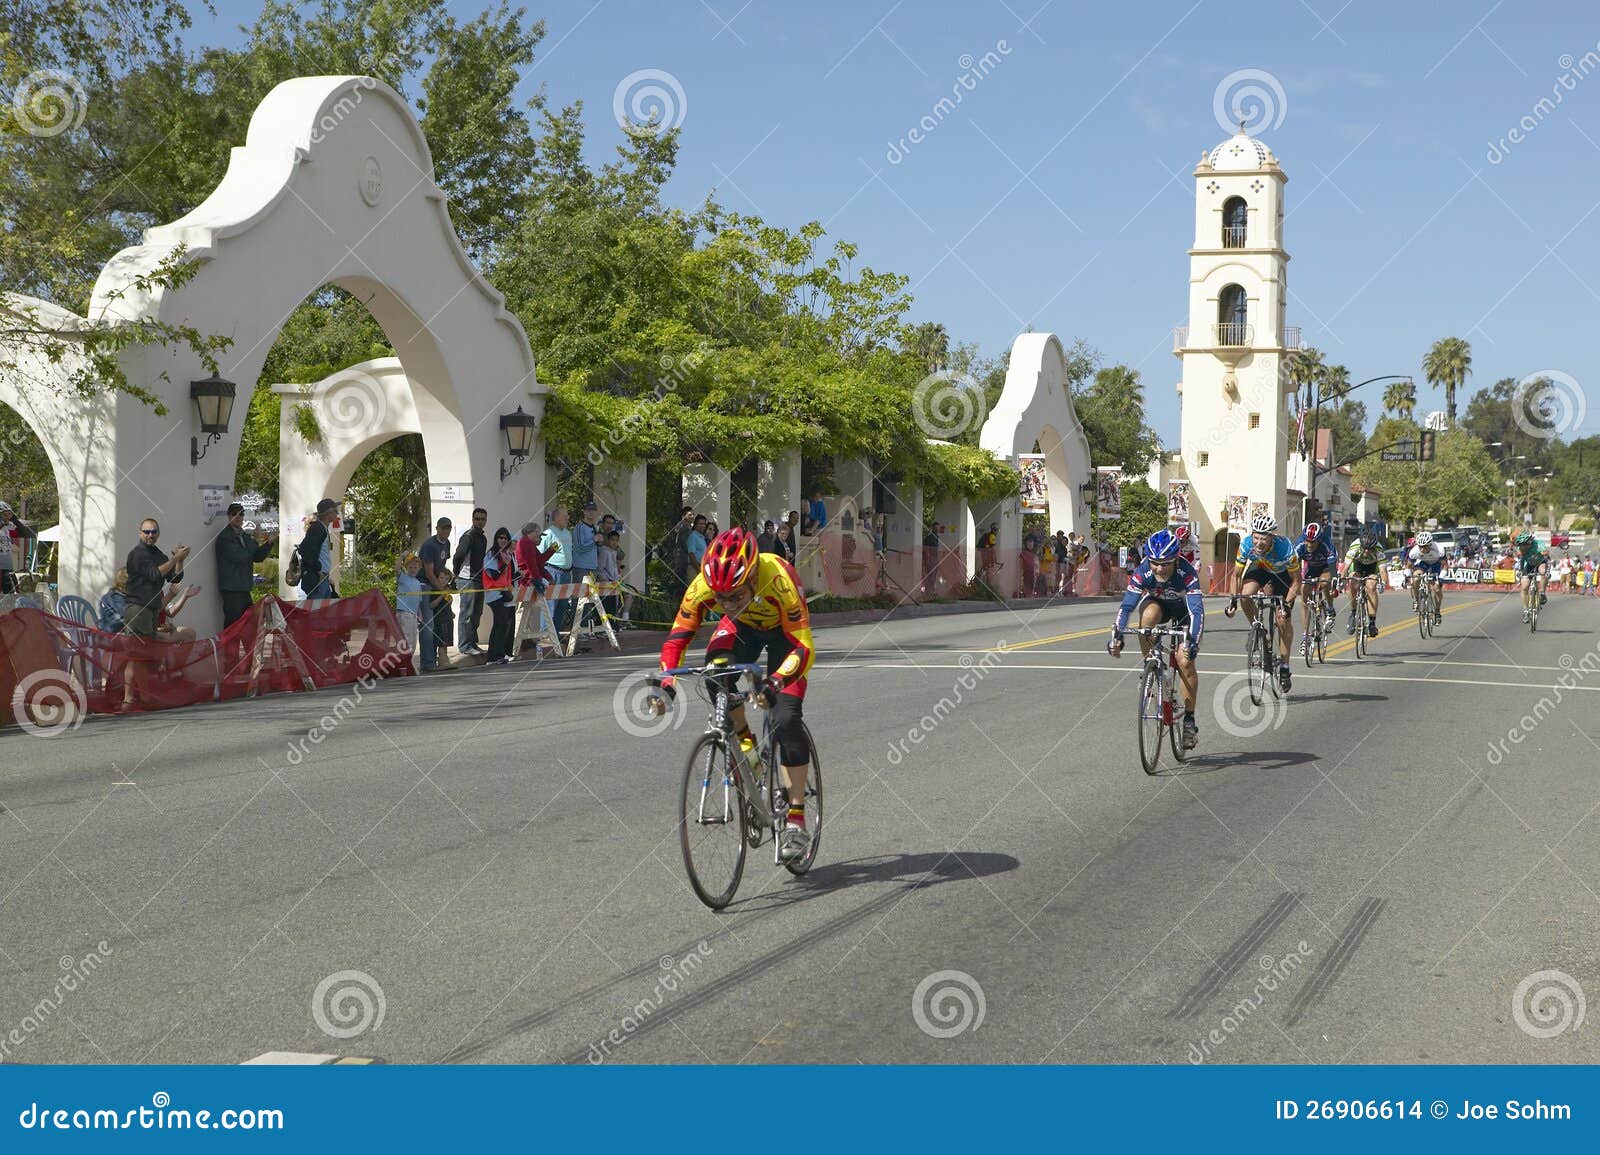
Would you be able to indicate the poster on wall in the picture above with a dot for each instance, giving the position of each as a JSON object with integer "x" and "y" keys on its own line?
{"x": 1257, "y": 509}
{"x": 1177, "y": 503}
{"x": 1238, "y": 513}
{"x": 1108, "y": 491}
{"x": 1035, "y": 489}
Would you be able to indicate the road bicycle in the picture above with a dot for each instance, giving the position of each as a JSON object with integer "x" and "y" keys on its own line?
{"x": 1532, "y": 599}
{"x": 1363, "y": 615}
{"x": 1422, "y": 602}
{"x": 1324, "y": 614}
{"x": 1261, "y": 646}
{"x": 1160, "y": 696}
{"x": 731, "y": 801}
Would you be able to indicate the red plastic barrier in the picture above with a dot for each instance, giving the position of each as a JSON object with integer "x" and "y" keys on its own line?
{"x": 51, "y": 669}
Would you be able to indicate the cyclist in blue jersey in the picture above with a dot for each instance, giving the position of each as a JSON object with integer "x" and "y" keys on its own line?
{"x": 1166, "y": 588}
{"x": 1317, "y": 557}
{"x": 1267, "y": 563}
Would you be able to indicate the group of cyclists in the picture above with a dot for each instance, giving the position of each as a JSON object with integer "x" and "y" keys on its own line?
{"x": 764, "y": 609}
{"x": 1165, "y": 588}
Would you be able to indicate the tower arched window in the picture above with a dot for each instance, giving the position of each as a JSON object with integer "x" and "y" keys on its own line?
{"x": 1233, "y": 315}
{"x": 1235, "y": 218}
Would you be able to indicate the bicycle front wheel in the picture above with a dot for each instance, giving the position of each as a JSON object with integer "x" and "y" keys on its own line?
{"x": 1269, "y": 655}
{"x": 1255, "y": 672}
{"x": 813, "y": 807}
{"x": 1150, "y": 721}
{"x": 711, "y": 822}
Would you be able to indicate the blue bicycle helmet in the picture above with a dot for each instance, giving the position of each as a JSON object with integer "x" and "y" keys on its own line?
{"x": 1161, "y": 546}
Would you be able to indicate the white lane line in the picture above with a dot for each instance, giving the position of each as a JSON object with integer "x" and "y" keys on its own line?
{"x": 999, "y": 667}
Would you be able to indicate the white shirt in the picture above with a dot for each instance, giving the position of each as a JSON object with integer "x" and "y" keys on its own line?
{"x": 1433, "y": 555}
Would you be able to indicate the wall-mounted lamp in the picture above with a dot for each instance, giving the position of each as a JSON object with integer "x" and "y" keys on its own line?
{"x": 518, "y": 428}
{"x": 213, "y": 397}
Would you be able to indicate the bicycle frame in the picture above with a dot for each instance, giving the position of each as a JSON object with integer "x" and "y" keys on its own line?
{"x": 721, "y": 723}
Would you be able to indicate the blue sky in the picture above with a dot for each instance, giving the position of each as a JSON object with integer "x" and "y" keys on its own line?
{"x": 1058, "y": 195}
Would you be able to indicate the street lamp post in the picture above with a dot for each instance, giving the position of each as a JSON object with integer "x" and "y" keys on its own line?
{"x": 1316, "y": 427}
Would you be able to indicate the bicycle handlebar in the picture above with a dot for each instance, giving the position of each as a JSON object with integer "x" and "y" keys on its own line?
{"x": 715, "y": 668}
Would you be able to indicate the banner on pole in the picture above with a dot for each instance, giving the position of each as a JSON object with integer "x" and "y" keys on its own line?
{"x": 1238, "y": 513}
{"x": 1108, "y": 491}
{"x": 1035, "y": 487}
{"x": 1178, "y": 503}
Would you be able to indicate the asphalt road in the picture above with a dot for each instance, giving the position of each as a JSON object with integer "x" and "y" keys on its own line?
{"x": 1370, "y": 878}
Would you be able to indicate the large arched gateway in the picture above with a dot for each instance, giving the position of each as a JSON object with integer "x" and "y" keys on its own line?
{"x": 334, "y": 185}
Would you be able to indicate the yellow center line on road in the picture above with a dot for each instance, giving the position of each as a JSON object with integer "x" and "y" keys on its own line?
{"x": 1046, "y": 641}
{"x": 1349, "y": 644}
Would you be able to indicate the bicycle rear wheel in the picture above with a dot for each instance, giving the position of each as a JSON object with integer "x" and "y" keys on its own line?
{"x": 813, "y": 805}
{"x": 711, "y": 822}
{"x": 1321, "y": 641}
{"x": 1150, "y": 722}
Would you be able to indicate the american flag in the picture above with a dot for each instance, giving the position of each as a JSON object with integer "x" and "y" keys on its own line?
{"x": 1300, "y": 432}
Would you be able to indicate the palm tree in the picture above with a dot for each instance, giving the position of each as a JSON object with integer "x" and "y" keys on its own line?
{"x": 931, "y": 345}
{"x": 1400, "y": 398}
{"x": 1303, "y": 368}
{"x": 1335, "y": 382}
{"x": 1448, "y": 363}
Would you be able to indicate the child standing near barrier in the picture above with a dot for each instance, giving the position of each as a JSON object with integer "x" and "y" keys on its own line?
{"x": 411, "y": 603}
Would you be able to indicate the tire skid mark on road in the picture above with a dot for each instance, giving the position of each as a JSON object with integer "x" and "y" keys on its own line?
{"x": 1242, "y": 951}
{"x": 1334, "y": 962}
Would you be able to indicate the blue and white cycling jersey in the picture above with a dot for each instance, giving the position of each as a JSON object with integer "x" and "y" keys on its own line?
{"x": 1429, "y": 561}
{"x": 1315, "y": 556}
{"x": 1182, "y": 585}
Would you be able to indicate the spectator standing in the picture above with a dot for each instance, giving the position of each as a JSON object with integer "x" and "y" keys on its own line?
{"x": 499, "y": 570}
{"x": 435, "y": 558}
{"x": 766, "y": 541}
{"x": 696, "y": 546}
{"x": 560, "y": 562}
{"x": 608, "y": 570}
{"x": 1061, "y": 547}
{"x": 237, "y": 554}
{"x": 411, "y": 603}
{"x": 467, "y": 562}
{"x": 316, "y": 553}
{"x": 793, "y": 522}
{"x": 14, "y": 535}
{"x": 532, "y": 573}
{"x": 783, "y": 542}
{"x": 816, "y": 515}
{"x": 149, "y": 570}
{"x": 586, "y": 543}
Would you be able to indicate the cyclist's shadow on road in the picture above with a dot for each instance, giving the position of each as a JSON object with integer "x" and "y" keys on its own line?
{"x": 1210, "y": 761}
{"x": 915, "y": 870}
{"x": 1343, "y": 696}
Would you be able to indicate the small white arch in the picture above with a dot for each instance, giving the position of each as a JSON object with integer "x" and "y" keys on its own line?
{"x": 1035, "y": 406}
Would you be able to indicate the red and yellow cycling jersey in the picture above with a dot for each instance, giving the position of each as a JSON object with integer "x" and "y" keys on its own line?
{"x": 779, "y": 606}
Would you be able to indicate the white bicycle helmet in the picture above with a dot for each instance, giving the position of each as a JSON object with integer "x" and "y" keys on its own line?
{"x": 1424, "y": 539}
{"x": 1263, "y": 523}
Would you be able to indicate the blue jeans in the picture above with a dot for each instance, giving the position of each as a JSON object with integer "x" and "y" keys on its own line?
{"x": 323, "y": 589}
{"x": 427, "y": 642}
{"x": 470, "y": 606}
{"x": 562, "y": 608}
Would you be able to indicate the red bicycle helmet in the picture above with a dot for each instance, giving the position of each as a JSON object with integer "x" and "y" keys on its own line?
{"x": 1314, "y": 531}
{"x": 729, "y": 560}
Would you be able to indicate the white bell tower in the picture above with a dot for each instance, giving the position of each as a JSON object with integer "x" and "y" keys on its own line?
{"x": 1235, "y": 424}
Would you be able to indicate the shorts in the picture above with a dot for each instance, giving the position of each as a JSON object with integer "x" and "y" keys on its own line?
{"x": 140, "y": 622}
{"x": 1432, "y": 569}
{"x": 744, "y": 644}
{"x": 1363, "y": 569}
{"x": 1174, "y": 611}
{"x": 1314, "y": 572}
{"x": 1271, "y": 581}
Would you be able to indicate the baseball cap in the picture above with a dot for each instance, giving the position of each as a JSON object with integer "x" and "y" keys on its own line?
{"x": 234, "y": 507}
{"x": 5, "y": 505}
{"x": 326, "y": 504}
{"x": 590, "y": 505}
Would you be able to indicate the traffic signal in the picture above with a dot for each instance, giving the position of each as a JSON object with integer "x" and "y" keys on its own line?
{"x": 1426, "y": 453}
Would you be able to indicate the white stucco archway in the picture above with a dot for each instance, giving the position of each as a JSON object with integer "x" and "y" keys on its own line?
{"x": 333, "y": 185}
{"x": 1035, "y": 405}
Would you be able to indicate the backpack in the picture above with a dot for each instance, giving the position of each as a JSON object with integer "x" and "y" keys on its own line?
{"x": 292, "y": 576}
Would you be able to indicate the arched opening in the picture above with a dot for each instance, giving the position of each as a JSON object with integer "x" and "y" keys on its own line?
{"x": 1235, "y": 221}
{"x": 28, "y": 485}
{"x": 1233, "y": 316}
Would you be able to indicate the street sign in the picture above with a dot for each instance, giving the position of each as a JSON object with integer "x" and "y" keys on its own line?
{"x": 1407, "y": 454}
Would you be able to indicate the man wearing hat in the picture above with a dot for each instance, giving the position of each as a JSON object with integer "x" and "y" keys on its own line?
{"x": 13, "y": 535}
{"x": 585, "y": 548}
{"x": 237, "y": 554}
{"x": 316, "y": 553}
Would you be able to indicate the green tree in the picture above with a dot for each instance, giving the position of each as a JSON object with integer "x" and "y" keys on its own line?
{"x": 1461, "y": 483}
{"x": 1112, "y": 412}
{"x": 1448, "y": 363}
{"x": 1143, "y": 512}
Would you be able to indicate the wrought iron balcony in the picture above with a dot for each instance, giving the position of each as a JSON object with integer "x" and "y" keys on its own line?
{"x": 1233, "y": 236}
{"x": 1230, "y": 334}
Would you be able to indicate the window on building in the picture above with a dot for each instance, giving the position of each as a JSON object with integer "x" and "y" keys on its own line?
{"x": 1255, "y": 421}
{"x": 1205, "y": 458}
{"x": 1235, "y": 216}
{"x": 1232, "y": 316}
